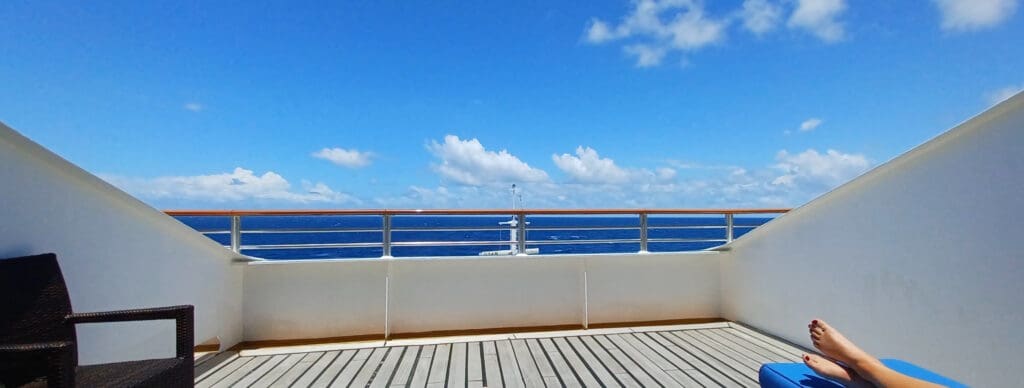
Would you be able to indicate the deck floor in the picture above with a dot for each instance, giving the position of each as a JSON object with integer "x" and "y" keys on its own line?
{"x": 705, "y": 355}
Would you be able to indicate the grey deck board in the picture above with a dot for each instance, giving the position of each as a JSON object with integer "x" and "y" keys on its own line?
{"x": 327, "y": 375}
{"x": 492, "y": 366}
{"x": 241, "y": 372}
{"x": 474, "y": 364}
{"x": 366, "y": 371}
{"x": 512, "y": 376}
{"x": 405, "y": 367}
{"x": 278, "y": 370}
{"x": 422, "y": 370}
{"x": 559, "y": 364}
{"x": 711, "y": 357}
{"x": 439, "y": 365}
{"x": 714, "y": 359}
{"x": 457, "y": 365}
{"x": 583, "y": 371}
{"x": 312, "y": 373}
{"x": 631, "y": 367}
{"x": 296, "y": 371}
{"x": 527, "y": 364}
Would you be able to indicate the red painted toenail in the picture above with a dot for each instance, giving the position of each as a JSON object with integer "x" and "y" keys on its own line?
{"x": 807, "y": 358}
{"x": 814, "y": 322}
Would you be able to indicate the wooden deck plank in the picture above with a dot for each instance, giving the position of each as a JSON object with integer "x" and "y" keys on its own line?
{"x": 767, "y": 343}
{"x": 366, "y": 372}
{"x": 753, "y": 353}
{"x": 422, "y": 370}
{"x": 756, "y": 337}
{"x": 632, "y": 368}
{"x": 492, "y": 367}
{"x": 387, "y": 369}
{"x": 403, "y": 374}
{"x": 241, "y": 372}
{"x": 639, "y": 358}
{"x": 731, "y": 356}
{"x": 510, "y": 372}
{"x": 527, "y": 364}
{"x": 221, "y": 360}
{"x": 559, "y": 364}
{"x": 300, "y": 368}
{"x": 588, "y": 377}
{"x": 590, "y": 360}
{"x": 700, "y": 357}
{"x": 711, "y": 357}
{"x": 327, "y": 375}
{"x": 544, "y": 366}
{"x": 259, "y": 372}
{"x": 686, "y": 357}
{"x": 439, "y": 365}
{"x": 474, "y": 364}
{"x": 457, "y": 365}
{"x": 610, "y": 363}
{"x": 278, "y": 370}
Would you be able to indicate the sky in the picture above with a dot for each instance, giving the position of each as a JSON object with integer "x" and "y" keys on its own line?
{"x": 443, "y": 104}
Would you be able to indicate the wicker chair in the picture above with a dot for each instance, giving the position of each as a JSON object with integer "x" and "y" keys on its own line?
{"x": 37, "y": 334}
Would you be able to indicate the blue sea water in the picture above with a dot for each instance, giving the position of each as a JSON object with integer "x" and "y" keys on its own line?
{"x": 275, "y": 230}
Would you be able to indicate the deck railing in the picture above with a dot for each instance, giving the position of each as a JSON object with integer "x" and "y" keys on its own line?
{"x": 377, "y": 229}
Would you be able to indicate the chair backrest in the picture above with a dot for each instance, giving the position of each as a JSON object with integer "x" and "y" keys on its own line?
{"x": 33, "y": 301}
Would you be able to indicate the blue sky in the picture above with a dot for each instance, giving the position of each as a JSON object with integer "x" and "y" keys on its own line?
{"x": 677, "y": 103}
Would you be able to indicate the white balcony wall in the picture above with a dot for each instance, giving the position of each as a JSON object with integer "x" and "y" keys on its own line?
{"x": 115, "y": 253}
{"x": 653, "y": 287}
{"x": 338, "y": 298}
{"x": 314, "y": 299}
{"x": 918, "y": 259}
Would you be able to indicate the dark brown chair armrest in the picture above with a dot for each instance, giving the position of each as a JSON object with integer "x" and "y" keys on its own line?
{"x": 183, "y": 317}
{"x": 58, "y": 355}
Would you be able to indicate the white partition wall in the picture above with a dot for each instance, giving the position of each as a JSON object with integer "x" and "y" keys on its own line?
{"x": 481, "y": 293}
{"x": 652, "y": 287}
{"x": 115, "y": 253}
{"x": 918, "y": 259}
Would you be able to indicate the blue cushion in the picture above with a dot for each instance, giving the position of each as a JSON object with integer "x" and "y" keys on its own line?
{"x": 799, "y": 375}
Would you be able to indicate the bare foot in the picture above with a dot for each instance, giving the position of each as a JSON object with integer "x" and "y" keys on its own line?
{"x": 834, "y": 345}
{"x": 833, "y": 371}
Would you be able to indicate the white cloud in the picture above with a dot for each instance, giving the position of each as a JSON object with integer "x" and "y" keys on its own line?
{"x": 813, "y": 170}
{"x": 193, "y": 107}
{"x": 589, "y": 167}
{"x": 967, "y": 15}
{"x": 346, "y": 158}
{"x": 646, "y": 56}
{"x": 660, "y": 26}
{"x": 1003, "y": 94}
{"x": 760, "y": 16}
{"x": 467, "y": 162}
{"x": 810, "y": 124}
{"x": 819, "y": 18}
{"x": 236, "y": 186}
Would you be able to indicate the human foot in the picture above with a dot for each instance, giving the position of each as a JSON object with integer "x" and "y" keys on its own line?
{"x": 833, "y": 371}
{"x": 833, "y": 344}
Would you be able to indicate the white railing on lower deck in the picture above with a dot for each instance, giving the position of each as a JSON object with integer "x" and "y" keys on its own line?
{"x": 721, "y": 223}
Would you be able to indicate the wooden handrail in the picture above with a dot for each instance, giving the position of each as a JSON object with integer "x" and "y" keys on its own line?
{"x": 371, "y": 212}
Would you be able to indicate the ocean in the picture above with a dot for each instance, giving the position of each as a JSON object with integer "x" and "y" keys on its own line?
{"x": 567, "y": 234}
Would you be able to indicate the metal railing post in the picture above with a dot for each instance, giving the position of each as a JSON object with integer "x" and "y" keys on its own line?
{"x": 521, "y": 238}
{"x": 386, "y": 241}
{"x": 236, "y": 234}
{"x": 728, "y": 227}
{"x": 643, "y": 232}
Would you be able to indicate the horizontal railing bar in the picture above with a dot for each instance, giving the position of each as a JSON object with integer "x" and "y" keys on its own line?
{"x": 373, "y": 212}
{"x": 445, "y": 243}
{"x": 214, "y": 231}
{"x": 450, "y": 229}
{"x": 674, "y": 227}
{"x": 297, "y": 230}
{"x": 685, "y": 240}
{"x": 311, "y": 246}
{"x": 581, "y": 242}
{"x": 530, "y": 228}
